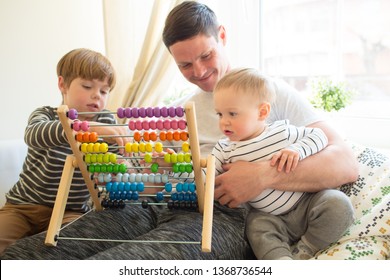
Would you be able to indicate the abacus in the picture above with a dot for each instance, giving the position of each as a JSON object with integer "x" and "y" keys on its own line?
{"x": 99, "y": 167}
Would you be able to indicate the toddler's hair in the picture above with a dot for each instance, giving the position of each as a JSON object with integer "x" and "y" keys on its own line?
{"x": 248, "y": 81}
{"x": 86, "y": 64}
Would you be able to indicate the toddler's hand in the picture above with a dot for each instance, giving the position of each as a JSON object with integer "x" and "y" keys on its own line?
{"x": 287, "y": 159}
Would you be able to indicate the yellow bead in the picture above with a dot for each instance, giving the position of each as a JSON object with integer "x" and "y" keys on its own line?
{"x": 167, "y": 158}
{"x": 134, "y": 147}
{"x": 180, "y": 157}
{"x": 103, "y": 148}
{"x": 148, "y": 158}
{"x": 113, "y": 158}
{"x": 96, "y": 147}
{"x": 83, "y": 148}
{"x": 141, "y": 147}
{"x": 149, "y": 147}
{"x": 185, "y": 147}
{"x": 158, "y": 147}
{"x": 128, "y": 147}
{"x": 90, "y": 147}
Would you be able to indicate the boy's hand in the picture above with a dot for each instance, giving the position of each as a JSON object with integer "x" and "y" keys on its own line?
{"x": 287, "y": 159}
{"x": 113, "y": 130}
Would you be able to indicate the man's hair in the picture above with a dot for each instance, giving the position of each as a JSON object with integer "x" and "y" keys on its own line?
{"x": 248, "y": 81}
{"x": 187, "y": 20}
{"x": 86, "y": 64}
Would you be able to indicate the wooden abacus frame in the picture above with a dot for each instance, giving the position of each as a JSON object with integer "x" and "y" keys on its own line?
{"x": 205, "y": 189}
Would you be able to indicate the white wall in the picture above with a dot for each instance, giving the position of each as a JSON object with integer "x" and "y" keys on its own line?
{"x": 35, "y": 34}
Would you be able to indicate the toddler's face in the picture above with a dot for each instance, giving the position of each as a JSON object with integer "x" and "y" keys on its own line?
{"x": 239, "y": 116}
{"x": 86, "y": 96}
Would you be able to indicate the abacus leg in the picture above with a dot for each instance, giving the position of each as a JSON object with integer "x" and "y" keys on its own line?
{"x": 208, "y": 205}
{"x": 60, "y": 203}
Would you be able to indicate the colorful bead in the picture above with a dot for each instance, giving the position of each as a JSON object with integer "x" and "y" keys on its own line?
{"x": 154, "y": 167}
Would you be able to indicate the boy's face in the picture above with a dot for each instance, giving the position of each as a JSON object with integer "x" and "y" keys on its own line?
{"x": 85, "y": 95}
{"x": 239, "y": 115}
{"x": 202, "y": 60}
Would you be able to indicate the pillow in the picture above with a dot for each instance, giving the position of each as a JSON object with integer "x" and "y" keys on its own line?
{"x": 369, "y": 236}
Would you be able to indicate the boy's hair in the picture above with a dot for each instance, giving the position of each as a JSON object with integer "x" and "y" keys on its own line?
{"x": 86, "y": 64}
{"x": 248, "y": 81}
{"x": 187, "y": 20}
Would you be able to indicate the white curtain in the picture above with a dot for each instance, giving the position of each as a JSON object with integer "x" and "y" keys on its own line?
{"x": 153, "y": 69}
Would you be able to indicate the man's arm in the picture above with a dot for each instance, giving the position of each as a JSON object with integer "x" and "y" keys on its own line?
{"x": 330, "y": 168}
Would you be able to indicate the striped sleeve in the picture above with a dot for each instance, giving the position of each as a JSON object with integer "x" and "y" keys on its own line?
{"x": 306, "y": 140}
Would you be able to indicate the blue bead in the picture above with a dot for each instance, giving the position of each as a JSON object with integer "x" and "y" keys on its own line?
{"x": 179, "y": 187}
{"x": 112, "y": 195}
{"x": 180, "y": 196}
{"x": 118, "y": 195}
{"x": 123, "y": 195}
{"x": 174, "y": 196}
{"x": 134, "y": 196}
{"x": 108, "y": 186}
{"x": 140, "y": 187}
{"x": 115, "y": 186}
{"x": 187, "y": 196}
{"x": 185, "y": 187}
{"x": 128, "y": 195}
{"x": 121, "y": 186}
{"x": 159, "y": 196}
{"x": 193, "y": 197}
{"x": 127, "y": 186}
{"x": 133, "y": 186}
{"x": 192, "y": 187}
{"x": 168, "y": 187}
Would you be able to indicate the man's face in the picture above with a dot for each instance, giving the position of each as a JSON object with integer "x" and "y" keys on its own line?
{"x": 202, "y": 60}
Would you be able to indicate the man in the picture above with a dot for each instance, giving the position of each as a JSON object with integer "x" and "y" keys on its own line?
{"x": 200, "y": 55}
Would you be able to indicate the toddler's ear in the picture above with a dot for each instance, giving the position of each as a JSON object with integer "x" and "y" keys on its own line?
{"x": 264, "y": 110}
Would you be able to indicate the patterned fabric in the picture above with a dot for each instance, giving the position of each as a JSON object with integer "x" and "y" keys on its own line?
{"x": 369, "y": 236}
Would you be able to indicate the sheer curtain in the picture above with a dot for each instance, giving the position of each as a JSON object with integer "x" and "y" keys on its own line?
{"x": 146, "y": 70}
{"x": 144, "y": 66}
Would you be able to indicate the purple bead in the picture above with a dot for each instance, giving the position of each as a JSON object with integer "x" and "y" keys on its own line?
{"x": 72, "y": 114}
{"x": 149, "y": 112}
{"x": 179, "y": 111}
{"x": 142, "y": 112}
{"x": 156, "y": 112}
{"x": 134, "y": 112}
{"x": 128, "y": 112}
{"x": 164, "y": 112}
{"x": 120, "y": 113}
{"x": 172, "y": 112}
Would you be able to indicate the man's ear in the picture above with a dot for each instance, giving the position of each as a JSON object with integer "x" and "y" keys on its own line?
{"x": 222, "y": 34}
{"x": 264, "y": 110}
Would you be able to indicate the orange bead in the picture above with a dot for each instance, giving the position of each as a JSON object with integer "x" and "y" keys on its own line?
{"x": 153, "y": 136}
{"x": 137, "y": 136}
{"x": 146, "y": 136}
{"x": 176, "y": 135}
{"x": 93, "y": 137}
{"x": 169, "y": 136}
{"x": 86, "y": 137}
{"x": 163, "y": 136}
{"x": 79, "y": 137}
{"x": 184, "y": 135}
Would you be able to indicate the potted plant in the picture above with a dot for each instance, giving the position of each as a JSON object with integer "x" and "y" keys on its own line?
{"x": 329, "y": 95}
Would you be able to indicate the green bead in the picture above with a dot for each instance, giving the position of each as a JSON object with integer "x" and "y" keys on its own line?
{"x": 154, "y": 167}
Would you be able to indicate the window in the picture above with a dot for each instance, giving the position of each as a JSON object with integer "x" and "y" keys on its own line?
{"x": 346, "y": 40}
